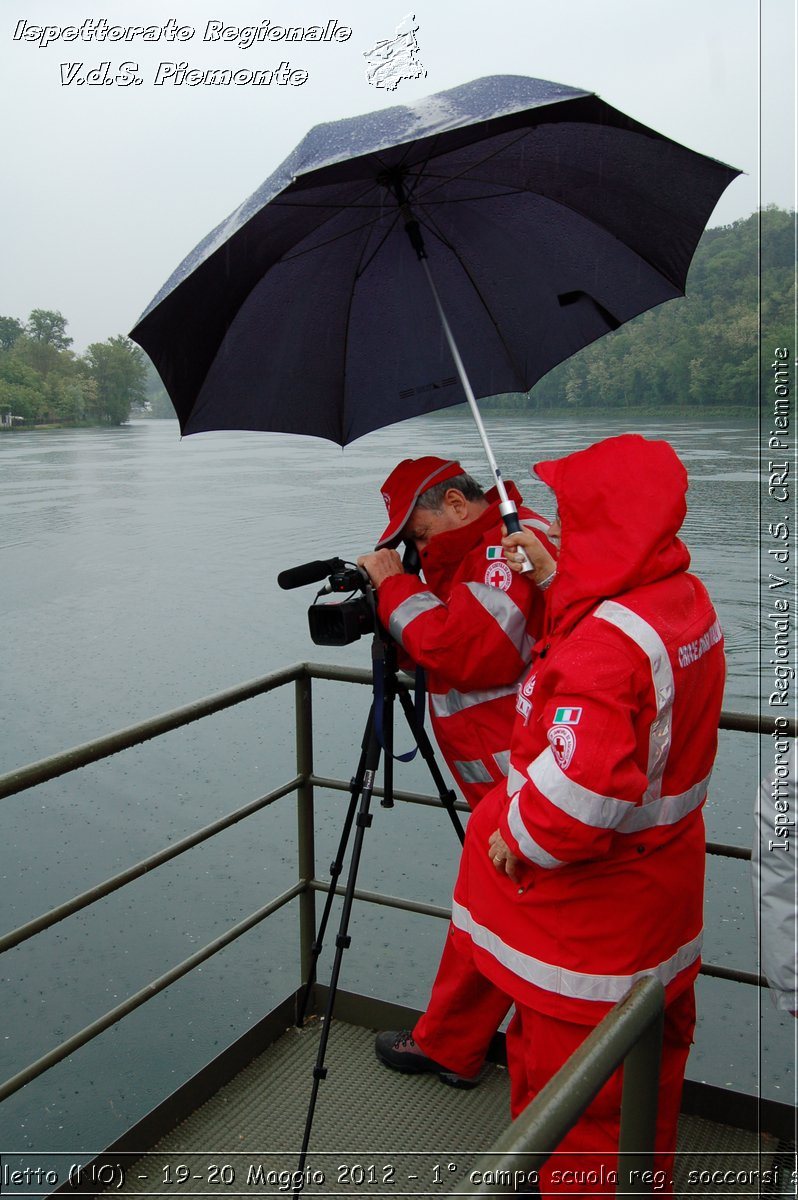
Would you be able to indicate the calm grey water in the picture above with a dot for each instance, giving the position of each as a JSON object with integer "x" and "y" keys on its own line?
{"x": 139, "y": 574}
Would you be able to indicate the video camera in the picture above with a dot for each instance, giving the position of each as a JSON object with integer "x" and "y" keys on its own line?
{"x": 346, "y": 621}
{"x": 343, "y": 622}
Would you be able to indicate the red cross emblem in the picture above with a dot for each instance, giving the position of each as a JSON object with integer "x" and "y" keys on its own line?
{"x": 499, "y": 575}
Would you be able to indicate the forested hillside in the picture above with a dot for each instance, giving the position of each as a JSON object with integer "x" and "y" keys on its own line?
{"x": 697, "y": 351}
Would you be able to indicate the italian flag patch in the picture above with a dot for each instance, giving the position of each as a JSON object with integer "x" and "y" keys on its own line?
{"x": 494, "y": 552}
{"x": 567, "y": 716}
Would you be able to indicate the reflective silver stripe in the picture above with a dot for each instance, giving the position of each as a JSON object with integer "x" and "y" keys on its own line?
{"x": 506, "y": 614}
{"x": 446, "y": 704}
{"x": 591, "y": 808}
{"x": 652, "y": 645}
{"x": 502, "y": 760}
{"x": 530, "y": 849}
{"x": 605, "y": 812}
{"x": 665, "y": 811}
{"x": 535, "y": 523}
{"x": 473, "y": 772}
{"x": 515, "y": 781}
{"x": 576, "y": 985}
{"x": 408, "y": 610}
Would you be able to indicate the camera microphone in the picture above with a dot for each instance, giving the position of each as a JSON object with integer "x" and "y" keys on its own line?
{"x": 310, "y": 572}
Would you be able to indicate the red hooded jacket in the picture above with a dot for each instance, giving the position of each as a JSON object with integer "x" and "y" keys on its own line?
{"x": 615, "y": 737}
{"x": 471, "y": 624}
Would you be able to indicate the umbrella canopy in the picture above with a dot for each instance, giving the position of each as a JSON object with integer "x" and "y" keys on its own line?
{"x": 548, "y": 219}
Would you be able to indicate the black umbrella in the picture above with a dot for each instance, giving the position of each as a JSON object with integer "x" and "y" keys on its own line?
{"x": 543, "y": 219}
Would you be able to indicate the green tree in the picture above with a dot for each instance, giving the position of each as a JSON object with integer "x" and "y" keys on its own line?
{"x": 10, "y": 330}
{"x": 74, "y": 398}
{"x": 42, "y": 356}
{"x": 119, "y": 371}
{"x": 21, "y": 388}
{"x": 45, "y": 325}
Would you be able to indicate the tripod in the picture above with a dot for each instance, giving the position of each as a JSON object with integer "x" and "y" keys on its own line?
{"x": 378, "y": 735}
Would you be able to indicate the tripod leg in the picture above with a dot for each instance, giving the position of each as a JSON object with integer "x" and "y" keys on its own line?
{"x": 355, "y": 789}
{"x": 343, "y": 940}
{"x": 445, "y": 794}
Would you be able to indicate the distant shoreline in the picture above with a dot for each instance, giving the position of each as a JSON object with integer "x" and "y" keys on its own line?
{"x": 701, "y": 415}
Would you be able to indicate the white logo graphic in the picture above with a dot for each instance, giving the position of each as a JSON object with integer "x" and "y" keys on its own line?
{"x": 499, "y": 575}
{"x": 387, "y": 500}
{"x": 563, "y": 742}
{"x": 393, "y": 59}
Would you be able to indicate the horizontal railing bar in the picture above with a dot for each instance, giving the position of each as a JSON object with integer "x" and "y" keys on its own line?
{"x": 103, "y": 747}
{"x": 62, "y": 1051}
{"x": 758, "y": 723}
{"x": 414, "y": 906}
{"x": 734, "y": 975}
{"x": 16, "y": 936}
{"x": 337, "y": 674}
{"x": 728, "y": 851}
{"x": 133, "y": 735}
{"x": 435, "y": 910}
{"x": 339, "y": 785}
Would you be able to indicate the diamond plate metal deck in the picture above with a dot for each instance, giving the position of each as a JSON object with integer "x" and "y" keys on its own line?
{"x": 375, "y": 1132}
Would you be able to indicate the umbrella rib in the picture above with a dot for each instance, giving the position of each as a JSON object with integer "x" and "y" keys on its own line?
{"x": 449, "y": 246}
{"x": 328, "y": 241}
{"x": 514, "y": 191}
{"x": 560, "y": 203}
{"x": 359, "y": 269}
{"x": 564, "y": 204}
{"x": 487, "y": 158}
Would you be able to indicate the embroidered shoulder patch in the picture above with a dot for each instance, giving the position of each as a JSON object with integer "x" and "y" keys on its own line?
{"x": 567, "y": 716}
{"x": 562, "y": 740}
{"x": 499, "y": 575}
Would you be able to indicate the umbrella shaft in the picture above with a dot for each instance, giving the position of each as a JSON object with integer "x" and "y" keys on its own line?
{"x": 472, "y": 403}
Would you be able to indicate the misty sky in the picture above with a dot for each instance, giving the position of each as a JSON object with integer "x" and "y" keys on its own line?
{"x": 107, "y": 187}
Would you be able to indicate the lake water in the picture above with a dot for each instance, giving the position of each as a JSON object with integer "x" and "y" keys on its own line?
{"x": 139, "y": 574}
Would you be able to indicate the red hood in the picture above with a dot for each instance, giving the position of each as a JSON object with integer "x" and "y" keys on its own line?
{"x": 621, "y": 504}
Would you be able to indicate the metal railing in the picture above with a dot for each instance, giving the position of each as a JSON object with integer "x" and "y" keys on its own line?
{"x": 631, "y": 1033}
{"x": 303, "y": 783}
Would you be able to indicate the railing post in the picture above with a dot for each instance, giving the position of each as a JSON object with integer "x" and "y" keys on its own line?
{"x": 305, "y": 821}
{"x": 639, "y": 1104}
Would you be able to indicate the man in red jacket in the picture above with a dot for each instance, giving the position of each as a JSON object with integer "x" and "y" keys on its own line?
{"x": 586, "y": 871}
{"x": 471, "y": 623}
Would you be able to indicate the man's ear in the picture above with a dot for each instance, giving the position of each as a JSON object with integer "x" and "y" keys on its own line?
{"x": 456, "y": 503}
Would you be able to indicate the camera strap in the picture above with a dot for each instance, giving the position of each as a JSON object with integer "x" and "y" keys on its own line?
{"x": 419, "y": 692}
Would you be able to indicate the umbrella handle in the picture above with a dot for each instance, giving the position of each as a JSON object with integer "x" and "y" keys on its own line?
{"x": 511, "y": 519}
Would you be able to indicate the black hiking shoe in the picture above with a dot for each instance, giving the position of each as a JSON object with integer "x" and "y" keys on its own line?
{"x": 398, "y": 1050}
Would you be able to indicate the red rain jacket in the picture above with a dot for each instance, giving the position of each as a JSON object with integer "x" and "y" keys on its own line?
{"x": 614, "y": 742}
{"x": 472, "y": 625}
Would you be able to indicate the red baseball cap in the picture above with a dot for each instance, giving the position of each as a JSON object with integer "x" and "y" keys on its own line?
{"x": 405, "y": 484}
